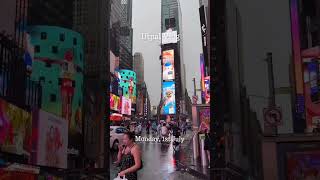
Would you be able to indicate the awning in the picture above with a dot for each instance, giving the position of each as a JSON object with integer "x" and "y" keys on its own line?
{"x": 116, "y": 117}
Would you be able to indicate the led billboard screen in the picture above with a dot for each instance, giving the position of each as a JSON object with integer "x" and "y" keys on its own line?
{"x": 126, "y": 106}
{"x": 168, "y": 65}
{"x": 15, "y": 129}
{"x": 58, "y": 63}
{"x": 115, "y": 103}
{"x": 128, "y": 81}
{"x": 169, "y": 99}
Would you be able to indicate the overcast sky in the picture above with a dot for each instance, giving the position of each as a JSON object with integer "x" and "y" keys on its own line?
{"x": 146, "y": 19}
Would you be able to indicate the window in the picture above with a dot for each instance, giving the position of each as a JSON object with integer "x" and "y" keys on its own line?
{"x": 74, "y": 41}
{"x": 53, "y": 97}
{"x": 54, "y": 49}
{"x": 48, "y": 64}
{"x": 43, "y": 35}
{"x": 37, "y": 49}
{"x": 62, "y": 37}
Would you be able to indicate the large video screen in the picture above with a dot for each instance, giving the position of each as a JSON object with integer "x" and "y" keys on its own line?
{"x": 169, "y": 99}
{"x": 168, "y": 65}
{"x": 58, "y": 63}
{"x": 126, "y": 106}
{"x": 128, "y": 81}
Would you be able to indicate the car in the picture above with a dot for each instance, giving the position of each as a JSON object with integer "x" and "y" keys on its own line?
{"x": 116, "y": 136}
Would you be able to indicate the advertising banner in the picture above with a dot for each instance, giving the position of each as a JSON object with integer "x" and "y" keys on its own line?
{"x": 59, "y": 64}
{"x": 128, "y": 81}
{"x": 169, "y": 37}
{"x": 169, "y": 98}
{"x": 207, "y": 89}
{"x": 126, "y": 106}
{"x": 303, "y": 165}
{"x": 168, "y": 65}
{"x": 52, "y": 143}
{"x": 311, "y": 92}
{"x": 203, "y": 32}
{"x": 115, "y": 102}
{"x": 16, "y": 134}
{"x": 204, "y": 117}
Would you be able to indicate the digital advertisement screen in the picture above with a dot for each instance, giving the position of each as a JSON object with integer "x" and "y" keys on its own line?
{"x": 126, "y": 106}
{"x": 52, "y": 144}
{"x": 15, "y": 130}
{"x": 128, "y": 81}
{"x": 303, "y": 165}
{"x": 115, "y": 102}
{"x": 169, "y": 99}
{"x": 207, "y": 89}
{"x": 59, "y": 64}
{"x": 168, "y": 65}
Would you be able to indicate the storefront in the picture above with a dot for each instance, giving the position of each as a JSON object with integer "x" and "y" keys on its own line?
{"x": 291, "y": 157}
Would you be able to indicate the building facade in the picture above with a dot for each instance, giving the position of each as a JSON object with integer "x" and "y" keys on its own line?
{"x": 171, "y": 20}
{"x": 96, "y": 15}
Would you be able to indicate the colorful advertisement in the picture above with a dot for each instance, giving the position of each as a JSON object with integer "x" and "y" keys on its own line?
{"x": 169, "y": 98}
{"x": 58, "y": 64}
{"x": 115, "y": 103}
{"x": 312, "y": 93}
{"x": 52, "y": 143}
{"x": 207, "y": 89}
{"x": 16, "y": 134}
{"x": 128, "y": 81}
{"x": 204, "y": 117}
{"x": 168, "y": 65}
{"x": 303, "y": 165}
{"x": 126, "y": 106}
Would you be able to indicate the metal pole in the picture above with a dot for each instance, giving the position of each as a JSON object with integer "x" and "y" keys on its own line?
{"x": 194, "y": 87}
{"x": 272, "y": 101}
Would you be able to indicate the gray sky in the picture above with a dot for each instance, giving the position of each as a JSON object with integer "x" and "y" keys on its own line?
{"x": 146, "y": 19}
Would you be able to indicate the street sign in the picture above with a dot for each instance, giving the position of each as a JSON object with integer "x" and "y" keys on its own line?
{"x": 272, "y": 116}
{"x": 194, "y": 99}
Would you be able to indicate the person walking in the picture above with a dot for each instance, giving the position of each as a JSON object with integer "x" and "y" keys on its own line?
{"x": 148, "y": 127}
{"x": 184, "y": 127}
{"x": 129, "y": 157}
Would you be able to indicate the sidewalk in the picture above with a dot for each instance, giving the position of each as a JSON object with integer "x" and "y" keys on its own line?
{"x": 192, "y": 166}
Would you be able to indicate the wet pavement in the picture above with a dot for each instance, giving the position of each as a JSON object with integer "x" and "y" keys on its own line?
{"x": 159, "y": 162}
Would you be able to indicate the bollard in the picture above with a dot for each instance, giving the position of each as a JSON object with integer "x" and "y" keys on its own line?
{"x": 203, "y": 155}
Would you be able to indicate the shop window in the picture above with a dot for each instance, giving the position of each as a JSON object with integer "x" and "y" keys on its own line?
{"x": 62, "y": 37}
{"x": 37, "y": 48}
{"x": 53, "y": 97}
{"x": 55, "y": 49}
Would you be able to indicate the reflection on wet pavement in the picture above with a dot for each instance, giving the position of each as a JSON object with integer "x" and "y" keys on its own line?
{"x": 159, "y": 163}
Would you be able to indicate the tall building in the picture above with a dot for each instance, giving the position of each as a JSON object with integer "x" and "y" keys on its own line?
{"x": 51, "y": 12}
{"x": 126, "y": 35}
{"x": 7, "y": 16}
{"x": 138, "y": 67}
{"x": 171, "y": 23}
{"x": 91, "y": 19}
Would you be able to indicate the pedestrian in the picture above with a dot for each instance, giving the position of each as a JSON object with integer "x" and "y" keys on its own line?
{"x": 154, "y": 127}
{"x": 159, "y": 129}
{"x": 129, "y": 157}
{"x": 208, "y": 144}
{"x": 164, "y": 130}
{"x": 148, "y": 127}
{"x": 184, "y": 127}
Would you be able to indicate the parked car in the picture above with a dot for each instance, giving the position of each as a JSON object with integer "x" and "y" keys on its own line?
{"x": 116, "y": 136}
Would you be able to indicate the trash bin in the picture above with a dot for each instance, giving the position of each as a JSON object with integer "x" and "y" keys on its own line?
{"x": 203, "y": 155}
{"x": 195, "y": 143}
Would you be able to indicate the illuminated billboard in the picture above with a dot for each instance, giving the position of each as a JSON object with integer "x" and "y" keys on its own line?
{"x": 15, "y": 129}
{"x": 207, "y": 89}
{"x": 126, "y": 106}
{"x": 169, "y": 99}
{"x": 128, "y": 81}
{"x": 115, "y": 103}
{"x": 169, "y": 37}
{"x": 52, "y": 142}
{"x": 168, "y": 65}
{"x": 58, "y": 63}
